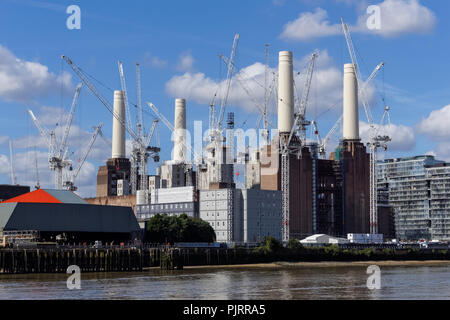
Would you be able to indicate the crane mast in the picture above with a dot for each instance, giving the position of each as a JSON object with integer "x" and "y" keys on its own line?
{"x": 302, "y": 122}
{"x": 69, "y": 121}
{"x": 56, "y": 163}
{"x": 94, "y": 90}
{"x": 11, "y": 163}
{"x": 37, "y": 186}
{"x": 70, "y": 184}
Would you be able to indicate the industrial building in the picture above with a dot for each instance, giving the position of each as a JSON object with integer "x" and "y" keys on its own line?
{"x": 60, "y": 214}
{"x": 418, "y": 189}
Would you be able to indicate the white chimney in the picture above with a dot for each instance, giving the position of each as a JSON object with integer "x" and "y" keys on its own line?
{"x": 118, "y": 136}
{"x": 179, "y": 146}
{"x": 350, "y": 102}
{"x": 285, "y": 92}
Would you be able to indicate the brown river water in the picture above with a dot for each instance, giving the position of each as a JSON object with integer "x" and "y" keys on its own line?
{"x": 253, "y": 283}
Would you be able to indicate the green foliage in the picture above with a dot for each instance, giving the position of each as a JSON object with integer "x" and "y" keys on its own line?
{"x": 269, "y": 245}
{"x": 332, "y": 250}
{"x": 294, "y": 245}
{"x": 182, "y": 228}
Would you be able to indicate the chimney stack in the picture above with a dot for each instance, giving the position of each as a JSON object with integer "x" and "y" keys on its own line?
{"x": 350, "y": 102}
{"x": 179, "y": 146}
{"x": 285, "y": 92}
{"x": 118, "y": 136}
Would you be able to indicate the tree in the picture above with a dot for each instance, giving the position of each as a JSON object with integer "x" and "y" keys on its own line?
{"x": 182, "y": 228}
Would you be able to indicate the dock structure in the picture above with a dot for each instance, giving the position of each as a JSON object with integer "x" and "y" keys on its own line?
{"x": 57, "y": 260}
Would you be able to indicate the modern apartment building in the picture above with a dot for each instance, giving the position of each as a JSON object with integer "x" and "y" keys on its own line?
{"x": 418, "y": 188}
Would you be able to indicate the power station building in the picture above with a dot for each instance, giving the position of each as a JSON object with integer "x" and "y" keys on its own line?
{"x": 325, "y": 196}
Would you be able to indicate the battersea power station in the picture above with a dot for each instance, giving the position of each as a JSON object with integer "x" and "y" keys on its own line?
{"x": 305, "y": 194}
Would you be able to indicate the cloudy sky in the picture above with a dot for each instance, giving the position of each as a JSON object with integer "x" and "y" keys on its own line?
{"x": 178, "y": 44}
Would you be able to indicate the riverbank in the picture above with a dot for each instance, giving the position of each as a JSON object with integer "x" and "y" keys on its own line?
{"x": 327, "y": 264}
{"x": 58, "y": 259}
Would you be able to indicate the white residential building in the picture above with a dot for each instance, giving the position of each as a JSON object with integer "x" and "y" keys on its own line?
{"x": 242, "y": 215}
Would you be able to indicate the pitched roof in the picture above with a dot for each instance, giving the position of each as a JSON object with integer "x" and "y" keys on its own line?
{"x": 47, "y": 196}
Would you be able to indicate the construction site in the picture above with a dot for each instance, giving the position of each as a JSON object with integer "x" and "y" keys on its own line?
{"x": 292, "y": 190}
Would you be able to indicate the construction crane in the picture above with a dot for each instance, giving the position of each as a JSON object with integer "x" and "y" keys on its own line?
{"x": 375, "y": 140}
{"x": 81, "y": 74}
{"x": 63, "y": 144}
{"x": 36, "y": 168}
{"x": 301, "y": 110}
{"x": 58, "y": 157}
{"x": 141, "y": 150}
{"x": 322, "y": 143}
{"x": 217, "y": 122}
{"x": 69, "y": 184}
{"x": 262, "y": 109}
{"x": 144, "y": 152}
{"x": 138, "y": 139}
{"x": 11, "y": 164}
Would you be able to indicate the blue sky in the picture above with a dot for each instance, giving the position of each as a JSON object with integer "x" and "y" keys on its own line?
{"x": 177, "y": 44}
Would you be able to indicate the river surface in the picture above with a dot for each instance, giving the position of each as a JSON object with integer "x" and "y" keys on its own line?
{"x": 405, "y": 282}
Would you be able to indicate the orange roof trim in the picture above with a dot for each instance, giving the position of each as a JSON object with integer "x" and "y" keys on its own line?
{"x": 37, "y": 196}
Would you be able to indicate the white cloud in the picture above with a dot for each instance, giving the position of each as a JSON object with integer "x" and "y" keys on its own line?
{"x": 402, "y": 136}
{"x": 185, "y": 62}
{"x": 153, "y": 61}
{"x": 436, "y": 125}
{"x": 397, "y": 17}
{"x": 24, "y": 81}
{"x": 401, "y": 17}
{"x": 3, "y": 139}
{"x": 247, "y": 88}
{"x": 310, "y": 25}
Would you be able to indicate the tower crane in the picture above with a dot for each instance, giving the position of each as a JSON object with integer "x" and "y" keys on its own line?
{"x": 11, "y": 163}
{"x": 58, "y": 156}
{"x": 375, "y": 140}
{"x": 301, "y": 110}
{"x": 153, "y": 151}
{"x": 141, "y": 150}
{"x": 69, "y": 185}
{"x": 217, "y": 122}
{"x": 322, "y": 143}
